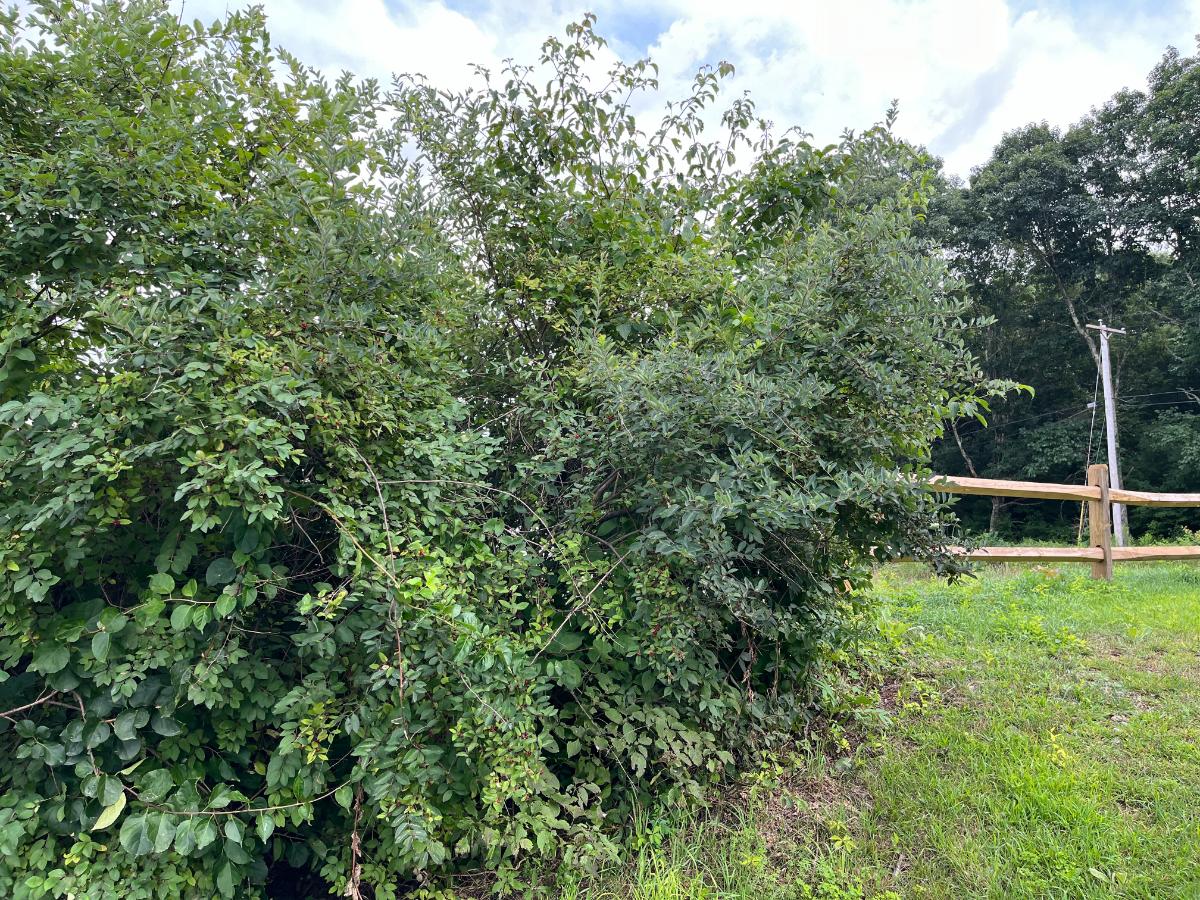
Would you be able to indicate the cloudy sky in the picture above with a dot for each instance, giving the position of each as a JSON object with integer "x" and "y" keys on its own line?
{"x": 965, "y": 71}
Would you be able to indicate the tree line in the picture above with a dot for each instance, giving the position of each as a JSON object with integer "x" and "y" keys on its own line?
{"x": 1060, "y": 228}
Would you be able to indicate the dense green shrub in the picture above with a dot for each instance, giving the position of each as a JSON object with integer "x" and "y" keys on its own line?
{"x": 398, "y": 482}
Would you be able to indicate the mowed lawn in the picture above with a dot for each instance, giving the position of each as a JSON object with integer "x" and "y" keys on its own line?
{"x": 1042, "y": 740}
{"x": 1058, "y": 752}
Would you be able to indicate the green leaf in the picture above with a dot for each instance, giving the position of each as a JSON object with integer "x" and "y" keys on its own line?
{"x": 235, "y": 853}
{"x": 225, "y": 880}
{"x": 129, "y": 749}
{"x": 233, "y": 830}
{"x": 220, "y": 797}
{"x": 164, "y": 834}
{"x": 344, "y": 796}
{"x": 185, "y": 836}
{"x": 265, "y": 826}
{"x": 100, "y": 644}
{"x": 181, "y": 616}
{"x": 97, "y": 735}
{"x": 113, "y": 788}
{"x": 137, "y": 837}
{"x": 110, "y": 813}
{"x": 162, "y": 583}
{"x": 165, "y": 725}
{"x": 570, "y": 675}
{"x": 148, "y": 613}
{"x": 154, "y": 786}
{"x": 248, "y": 542}
{"x": 220, "y": 572}
{"x": 50, "y": 658}
{"x": 565, "y": 642}
{"x": 113, "y": 620}
{"x": 127, "y": 723}
{"x": 206, "y": 833}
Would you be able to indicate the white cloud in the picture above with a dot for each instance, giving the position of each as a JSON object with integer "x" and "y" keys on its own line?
{"x": 965, "y": 71}
{"x": 369, "y": 39}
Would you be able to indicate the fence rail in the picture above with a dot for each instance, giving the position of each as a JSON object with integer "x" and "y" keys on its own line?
{"x": 1037, "y": 490}
{"x": 1099, "y": 498}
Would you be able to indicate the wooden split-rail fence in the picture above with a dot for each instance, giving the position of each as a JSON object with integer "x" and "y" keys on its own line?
{"x": 1098, "y": 496}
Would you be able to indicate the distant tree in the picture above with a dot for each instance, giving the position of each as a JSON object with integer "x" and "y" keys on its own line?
{"x": 1059, "y": 229}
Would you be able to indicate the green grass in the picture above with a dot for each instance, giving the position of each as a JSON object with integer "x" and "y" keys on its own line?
{"x": 1044, "y": 742}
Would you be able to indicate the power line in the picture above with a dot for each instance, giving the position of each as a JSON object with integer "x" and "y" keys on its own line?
{"x": 1006, "y": 422}
{"x": 984, "y": 431}
{"x": 1160, "y": 393}
{"x": 1163, "y": 403}
{"x": 1075, "y": 411}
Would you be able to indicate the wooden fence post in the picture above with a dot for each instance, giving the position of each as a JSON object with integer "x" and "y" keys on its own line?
{"x": 1099, "y": 526}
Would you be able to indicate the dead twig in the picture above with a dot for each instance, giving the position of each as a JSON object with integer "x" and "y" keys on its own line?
{"x": 354, "y": 883}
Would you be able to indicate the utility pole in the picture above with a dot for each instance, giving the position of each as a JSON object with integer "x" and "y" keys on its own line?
{"x": 1110, "y": 426}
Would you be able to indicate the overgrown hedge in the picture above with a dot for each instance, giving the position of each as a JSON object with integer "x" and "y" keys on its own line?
{"x": 399, "y": 482}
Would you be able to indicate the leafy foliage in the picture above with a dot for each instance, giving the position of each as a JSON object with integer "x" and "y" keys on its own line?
{"x": 397, "y": 481}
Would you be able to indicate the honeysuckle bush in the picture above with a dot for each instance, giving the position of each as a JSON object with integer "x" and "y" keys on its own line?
{"x": 396, "y": 482}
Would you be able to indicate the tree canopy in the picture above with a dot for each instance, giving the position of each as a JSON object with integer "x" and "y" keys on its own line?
{"x": 1059, "y": 229}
